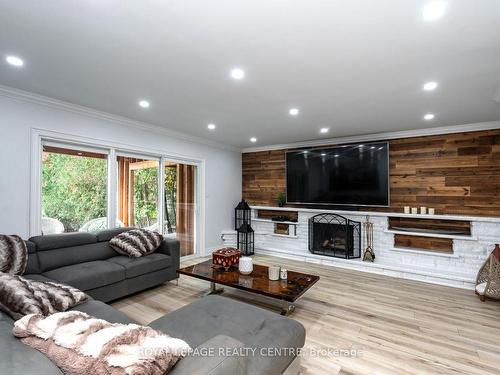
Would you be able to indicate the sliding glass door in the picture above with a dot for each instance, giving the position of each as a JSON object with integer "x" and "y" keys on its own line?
{"x": 90, "y": 189}
{"x": 138, "y": 192}
{"x": 180, "y": 204}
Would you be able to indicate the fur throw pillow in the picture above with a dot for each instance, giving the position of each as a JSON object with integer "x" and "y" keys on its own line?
{"x": 81, "y": 344}
{"x": 136, "y": 243}
{"x": 13, "y": 255}
{"x": 20, "y": 296}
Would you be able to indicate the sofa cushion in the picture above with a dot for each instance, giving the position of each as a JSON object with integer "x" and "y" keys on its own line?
{"x": 13, "y": 254}
{"x": 52, "y": 259}
{"x": 107, "y": 234}
{"x": 37, "y": 277}
{"x": 140, "y": 266}
{"x": 57, "y": 241}
{"x": 254, "y": 327}
{"x": 88, "y": 275}
{"x": 136, "y": 242}
{"x": 33, "y": 265}
{"x": 103, "y": 311}
{"x": 20, "y": 296}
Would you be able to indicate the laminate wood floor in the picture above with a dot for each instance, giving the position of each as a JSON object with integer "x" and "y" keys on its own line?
{"x": 388, "y": 325}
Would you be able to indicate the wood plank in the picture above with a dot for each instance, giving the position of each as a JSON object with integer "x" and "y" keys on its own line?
{"x": 444, "y": 245}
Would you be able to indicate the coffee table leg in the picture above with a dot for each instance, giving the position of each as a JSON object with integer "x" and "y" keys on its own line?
{"x": 214, "y": 289}
{"x": 287, "y": 308}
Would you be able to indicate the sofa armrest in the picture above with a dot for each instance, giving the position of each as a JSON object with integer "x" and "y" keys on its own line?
{"x": 171, "y": 247}
{"x": 213, "y": 361}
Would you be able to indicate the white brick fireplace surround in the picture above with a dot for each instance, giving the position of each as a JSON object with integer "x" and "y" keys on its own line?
{"x": 458, "y": 269}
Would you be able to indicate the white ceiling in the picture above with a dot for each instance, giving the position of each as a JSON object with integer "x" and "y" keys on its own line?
{"x": 354, "y": 66}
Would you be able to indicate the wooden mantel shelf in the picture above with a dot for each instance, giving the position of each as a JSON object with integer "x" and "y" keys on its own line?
{"x": 486, "y": 219}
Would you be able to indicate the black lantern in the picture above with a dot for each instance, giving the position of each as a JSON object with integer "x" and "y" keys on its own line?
{"x": 242, "y": 214}
{"x": 245, "y": 239}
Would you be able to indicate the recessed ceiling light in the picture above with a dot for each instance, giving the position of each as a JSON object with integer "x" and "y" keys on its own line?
{"x": 294, "y": 111}
{"x": 237, "y": 73}
{"x": 372, "y": 148}
{"x": 336, "y": 155}
{"x": 144, "y": 103}
{"x": 434, "y": 10}
{"x": 429, "y": 116}
{"x": 429, "y": 86}
{"x": 323, "y": 130}
{"x": 211, "y": 126}
{"x": 253, "y": 139}
{"x": 323, "y": 154}
{"x": 14, "y": 60}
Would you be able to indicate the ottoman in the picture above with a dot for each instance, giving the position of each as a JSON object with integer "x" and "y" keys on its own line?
{"x": 264, "y": 331}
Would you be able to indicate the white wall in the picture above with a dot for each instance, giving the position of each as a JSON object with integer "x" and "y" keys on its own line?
{"x": 18, "y": 117}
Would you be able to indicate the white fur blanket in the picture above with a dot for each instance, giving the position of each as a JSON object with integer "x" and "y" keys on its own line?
{"x": 80, "y": 344}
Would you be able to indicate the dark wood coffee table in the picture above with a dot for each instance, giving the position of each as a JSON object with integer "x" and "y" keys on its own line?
{"x": 287, "y": 291}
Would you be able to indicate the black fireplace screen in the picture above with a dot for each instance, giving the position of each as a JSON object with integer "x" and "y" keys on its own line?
{"x": 334, "y": 235}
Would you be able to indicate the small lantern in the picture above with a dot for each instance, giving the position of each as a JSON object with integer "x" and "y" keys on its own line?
{"x": 242, "y": 214}
{"x": 245, "y": 239}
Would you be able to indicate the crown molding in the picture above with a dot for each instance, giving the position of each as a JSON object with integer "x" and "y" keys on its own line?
{"x": 30, "y": 97}
{"x": 381, "y": 136}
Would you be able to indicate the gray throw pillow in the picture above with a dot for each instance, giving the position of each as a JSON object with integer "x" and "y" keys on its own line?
{"x": 136, "y": 243}
{"x": 13, "y": 254}
{"x": 20, "y": 296}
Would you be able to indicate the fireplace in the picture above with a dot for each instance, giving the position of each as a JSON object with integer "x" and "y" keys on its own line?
{"x": 334, "y": 235}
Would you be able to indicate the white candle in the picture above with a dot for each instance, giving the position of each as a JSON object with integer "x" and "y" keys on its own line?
{"x": 414, "y": 210}
{"x": 431, "y": 211}
{"x": 423, "y": 210}
{"x": 407, "y": 209}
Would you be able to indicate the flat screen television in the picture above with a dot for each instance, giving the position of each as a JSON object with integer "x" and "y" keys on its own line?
{"x": 351, "y": 175}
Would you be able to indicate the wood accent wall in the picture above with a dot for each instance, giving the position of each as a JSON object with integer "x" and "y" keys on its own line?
{"x": 454, "y": 173}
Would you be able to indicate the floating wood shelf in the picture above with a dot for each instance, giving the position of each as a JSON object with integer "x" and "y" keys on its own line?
{"x": 430, "y": 234}
{"x": 434, "y": 226}
{"x": 291, "y": 216}
{"x": 444, "y": 245}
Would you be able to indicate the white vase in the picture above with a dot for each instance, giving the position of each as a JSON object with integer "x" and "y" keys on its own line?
{"x": 246, "y": 265}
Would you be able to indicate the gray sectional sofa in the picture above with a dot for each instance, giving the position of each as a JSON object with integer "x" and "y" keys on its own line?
{"x": 87, "y": 262}
{"x": 224, "y": 328}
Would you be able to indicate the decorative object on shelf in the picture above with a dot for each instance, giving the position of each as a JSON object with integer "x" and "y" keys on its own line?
{"x": 226, "y": 257}
{"x": 281, "y": 199}
{"x": 283, "y": 229}
{"x": 246, "y": 265}
{"x": 423, "y": 210}
{"x": 245, "y": 239}
{"x": 369, "y": 254}
{"x": 242, "y": 215}
{"x": 407, "y": 209}
{"x": 431, "y": 211}
{"x": 414, "y": 210}
{"x": 488, "y": 277}
{"x": 274, "y": 273}
{"x": 283, "y": 274}
{"x": 281, "y": 218}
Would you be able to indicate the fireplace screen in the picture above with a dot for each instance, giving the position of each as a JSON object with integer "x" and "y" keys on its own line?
{"x": 334, "y": 235}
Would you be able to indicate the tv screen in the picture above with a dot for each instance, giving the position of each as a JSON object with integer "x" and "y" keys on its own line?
{"x": 347, "y": 175}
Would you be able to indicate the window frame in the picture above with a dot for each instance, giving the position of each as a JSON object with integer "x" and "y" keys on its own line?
{"x": 40, "y": 137}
